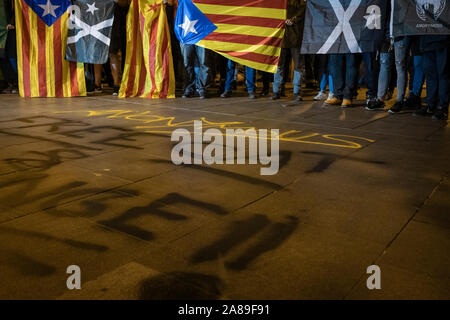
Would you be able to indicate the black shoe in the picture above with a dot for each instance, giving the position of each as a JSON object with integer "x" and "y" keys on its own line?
{"x": 413, "y": 102}
{"x": 441, "y": 113}
{"x": 397, "y": 107}
{"x": 275, "y": 96}
{"x": 202, "y": 95}
{"x": 264, "y": 92}
{"x": 373, "y": 105}
{"x": 251, "y": 95}
{"x": 226, "y": 94}
{"x": 297, "y": 98}
{"x": 116, "y": 91}
{"x": 98, "y": 89}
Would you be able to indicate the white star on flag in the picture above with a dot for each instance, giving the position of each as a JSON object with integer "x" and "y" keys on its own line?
{"x": 91, "y": 8}
{"x": 188, "y": 26}
{"x": 49, "y": 9}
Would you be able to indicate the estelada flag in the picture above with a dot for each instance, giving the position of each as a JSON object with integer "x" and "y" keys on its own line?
{"x": 148, "y": 71}
{"x": 41, "y": 42}
{"x": 247, "y": 32}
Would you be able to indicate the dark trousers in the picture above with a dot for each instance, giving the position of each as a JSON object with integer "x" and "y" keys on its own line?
{"x": 372, "y": 69}
{"x": 436, "y": 69}
{"x": 344, "y": 73}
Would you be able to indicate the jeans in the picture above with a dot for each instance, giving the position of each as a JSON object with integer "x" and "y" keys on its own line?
{"x": 250, "y": 77}
{"x": 385, "y": 73}
{"x": 344, "y": 72}
{"x": 192, "y": 54}
{"x": 435, "y": 66}
{"x": 279, "y": 76}
{"x": 417, "y": 76}
{"x": 370, "y": 62}
{"x": 401, "y": 51}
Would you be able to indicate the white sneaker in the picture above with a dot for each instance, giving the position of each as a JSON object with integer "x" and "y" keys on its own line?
{"x": 321, "y": 96}
{"x": 330, "y": 96}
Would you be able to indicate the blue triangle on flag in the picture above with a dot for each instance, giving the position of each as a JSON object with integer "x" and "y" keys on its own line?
{"x": 49, "y": 11}
{"x": 191, "y": 25}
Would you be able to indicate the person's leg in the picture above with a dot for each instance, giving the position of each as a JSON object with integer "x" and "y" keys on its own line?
{"x": 418, "y": 75}
{"x": 429, "y": 68}
{"x": 231, "y": 66}
{"x": 250, "y": 79}
{"x": 370, "y": 61}
{"x": 443, "y": 84}
{"x": 299, "y": 62}
{"x": 384, "y": 75}
{"x": 336, "y": 63}
{"x": 116, "y": 68}
{"x": 98, "y": 68}
{"x": 204, "y": 70}
{"x": 351, "y": 77}
{"x": 187, "y": 51}
{"x": 279, "y": 75}
{"x": 401, "y": 51}
{"x": 266, "y": 78}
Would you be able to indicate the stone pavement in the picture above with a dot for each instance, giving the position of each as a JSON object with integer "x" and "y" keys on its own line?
{"x": 89, "y": 182}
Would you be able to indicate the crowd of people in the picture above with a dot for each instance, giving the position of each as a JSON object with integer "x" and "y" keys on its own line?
{"x": 405, "y": 63}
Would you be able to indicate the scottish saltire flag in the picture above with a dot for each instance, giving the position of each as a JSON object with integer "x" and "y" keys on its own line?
{"x": 419, "y": 17}
{"x": 41, "y": 41}
{"x": 90, "y": 26}
{"x": 249, "y": 32}
{"x": 344, "y": 26}
{"x": 148, "y": 71}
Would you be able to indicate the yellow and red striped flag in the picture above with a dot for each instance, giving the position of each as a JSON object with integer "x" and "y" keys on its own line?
{"x": 41, "y": 42}
{"x": 249, "y": 32}
{"x": 148, "y": 71}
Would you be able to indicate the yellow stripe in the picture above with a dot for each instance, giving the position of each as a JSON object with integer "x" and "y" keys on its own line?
{"x": 67, "y": 90}
{"x": 19, "y": 26}
{"x": 50, "y": 62}
{"x": 242, "y": 11}
{"x": 171, "y": 91}
{"x": 239, "y": 47}
{"x": 81, "y": 80}
{"x": 158, "y": 59}
{"x": 34, "y": 54}
{"x": 252, "y": 64}
{"x": 250, "y": 30}
{"x": 127, "y": 67}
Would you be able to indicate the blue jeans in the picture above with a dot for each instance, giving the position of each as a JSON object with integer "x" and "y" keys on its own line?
{"x": 401, "y": 51}
{"x": 326, "y": 78}
{"x": 385, "y": 73}
{"x": 417, "y": 76}
{"x": 279, "y": 76}
{"x": 192, "y": 54}
{"x": 343, "y": 70}
{"x": 435, "y": 66}
{"x": 250, "y": 77}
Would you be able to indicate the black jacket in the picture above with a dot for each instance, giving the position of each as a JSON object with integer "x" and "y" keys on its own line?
{"x": 293, "y": 35}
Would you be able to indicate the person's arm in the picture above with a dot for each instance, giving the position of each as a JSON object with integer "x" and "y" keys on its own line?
{"x": 123, "y": 3}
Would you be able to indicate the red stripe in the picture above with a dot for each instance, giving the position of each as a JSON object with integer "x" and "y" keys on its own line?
{"x": 132, "y": 72}
{"x": 25, "y": 50}
{"x": 142, "y": 70}
{"x": 42, "y": 62}
{"x": 57, "y": 54}
{"x": 255, "y": 57}
{"x": 247, "y": 21}
{"x": 152, "y": 53}
{"x": 74, "y": 78}
{"x": 245, "y": 39}
{"x": 165, "y": 61}
{"x": 274, "y": 4}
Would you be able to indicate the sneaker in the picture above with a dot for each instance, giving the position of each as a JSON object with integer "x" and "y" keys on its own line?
{"x": 440, "y": 114}
{"x": 333, "y": 101}
{"x": 264, "y": 92}
{"x": 226, "y": 94}
{"x": 186, "y": 95}
{"x": 297, "y": 97}
{"x": 321, "y": 96}
{"x": 115, "y": 91}
{"x": 413, "y": 102}
{"x": 346, "y": 103}
{"x": 251, "y": 95}
{"x": 97, "y": 89}
{"x": 275, "y": 96}
{"x": 202, "y": 95}
{"x": 374, "y": 105}
{"x": 422, "y": 112}
{"x": 397, "y": 107}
